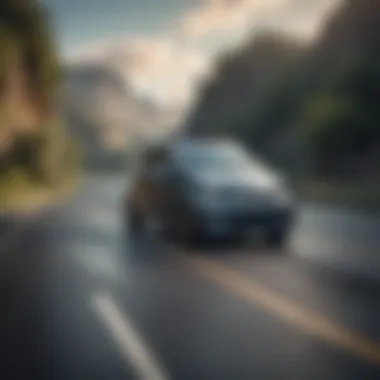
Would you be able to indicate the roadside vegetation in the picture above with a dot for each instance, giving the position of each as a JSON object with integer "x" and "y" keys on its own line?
{"x": 362, "y": 197}
{"x": 309, "y": 108}
{"x": 39, "y": 161}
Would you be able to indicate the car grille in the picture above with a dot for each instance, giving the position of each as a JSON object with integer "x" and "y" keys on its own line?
{"x": 244, "y": 198}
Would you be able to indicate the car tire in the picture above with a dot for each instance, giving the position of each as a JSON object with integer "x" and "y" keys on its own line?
{"x": 135, "y": 222}
{"x": 185, "y": 233}
{"x": 277, "y": 239}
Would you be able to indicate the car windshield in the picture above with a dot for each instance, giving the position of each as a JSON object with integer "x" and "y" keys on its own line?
{"x": 215, "y": 159}
{"x": 220, "y": 159}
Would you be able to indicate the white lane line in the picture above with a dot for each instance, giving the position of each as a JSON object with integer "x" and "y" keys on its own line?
{"x": 126, "y": 336}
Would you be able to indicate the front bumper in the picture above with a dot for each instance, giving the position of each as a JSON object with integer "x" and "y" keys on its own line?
{"x": 239, "y": 223}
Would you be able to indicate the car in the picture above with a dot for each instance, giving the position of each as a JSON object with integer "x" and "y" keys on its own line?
{"x": 198, "y": 188}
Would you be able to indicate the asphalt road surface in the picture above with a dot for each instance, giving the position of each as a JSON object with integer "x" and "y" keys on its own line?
{"x": 82, "y": 300}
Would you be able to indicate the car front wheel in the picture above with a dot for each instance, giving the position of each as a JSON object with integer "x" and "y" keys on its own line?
{"x": 277, "y": 238}
{"x": 134, "y": 221}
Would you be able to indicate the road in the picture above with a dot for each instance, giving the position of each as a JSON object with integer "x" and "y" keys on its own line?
{"x": 82, "y": 300}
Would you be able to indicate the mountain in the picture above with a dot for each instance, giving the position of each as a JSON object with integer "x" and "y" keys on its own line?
{"x": 104, "y": 111}
{"x": 241, "y": 79}
{"x": 351, "y": 31}
{"x": 313, "y": 108}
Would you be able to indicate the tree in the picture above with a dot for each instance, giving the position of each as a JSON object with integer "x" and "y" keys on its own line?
{"x": 326, "y": 127}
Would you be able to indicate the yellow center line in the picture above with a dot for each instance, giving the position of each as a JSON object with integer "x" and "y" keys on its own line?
{"x": 255, "y": 294}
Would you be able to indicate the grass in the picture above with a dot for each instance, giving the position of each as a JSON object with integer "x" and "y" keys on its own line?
{"x": 365, "y": 197}
{"x": 18, "y": 193}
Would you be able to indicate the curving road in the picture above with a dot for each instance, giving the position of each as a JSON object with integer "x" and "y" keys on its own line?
{"x": 82, "y": 300}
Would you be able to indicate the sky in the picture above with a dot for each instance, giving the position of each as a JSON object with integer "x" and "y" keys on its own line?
{"x": 166, "y": 47}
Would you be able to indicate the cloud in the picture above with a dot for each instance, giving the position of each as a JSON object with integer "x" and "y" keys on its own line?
{"x": 168, "y": 67}
{"x": 215, "y": 16}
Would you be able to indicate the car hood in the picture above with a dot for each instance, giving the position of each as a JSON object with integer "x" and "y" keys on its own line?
{"x": 242, "y": 181}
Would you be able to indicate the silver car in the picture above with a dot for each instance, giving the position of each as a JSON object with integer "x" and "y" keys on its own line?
{"x": 200, "y": 188}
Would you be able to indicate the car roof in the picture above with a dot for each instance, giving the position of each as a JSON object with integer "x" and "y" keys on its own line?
{"x": 174, "y": 147}
{"x": 201, "y": 143}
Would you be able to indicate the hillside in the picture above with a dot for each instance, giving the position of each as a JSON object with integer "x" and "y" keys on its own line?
{"x": 242, "y": 78}
{"x": 35, "y": 150}
{"x": 311, "y": 109}
{"x": 28, "y": 69}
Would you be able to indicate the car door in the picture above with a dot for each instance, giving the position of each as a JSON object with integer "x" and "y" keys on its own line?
{"x": 138, "y": 189}
{"x": 155, "y": 183}
{"x": 175, "y": 208}
{"x": 167, "y": 191}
